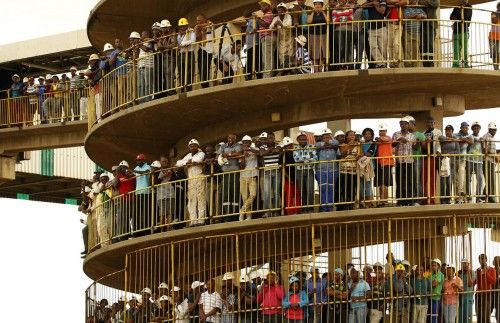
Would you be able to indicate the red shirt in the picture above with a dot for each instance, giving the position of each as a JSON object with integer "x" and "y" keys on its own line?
{"x": 126, "y": 185}
{"x": 295, "y": 313}
{"x": 486, "y": 280}
{"x": 271, "y": 297}
{"x": 393, "y": 14}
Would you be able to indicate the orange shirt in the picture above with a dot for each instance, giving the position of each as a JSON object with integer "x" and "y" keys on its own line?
{"x": 385, "y": 150}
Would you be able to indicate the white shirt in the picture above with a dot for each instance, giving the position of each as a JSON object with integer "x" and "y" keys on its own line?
{"x": 182, "y": 312}
{"x": 209, "y": 302}
{"x": 285, "y": 22}
{"x": 145, "y": 58}
{"x": 232, "y": 59}
{"x": 192, "y": 171}
{"x": 208, "y": 44}
{"x": 186, "y": 40}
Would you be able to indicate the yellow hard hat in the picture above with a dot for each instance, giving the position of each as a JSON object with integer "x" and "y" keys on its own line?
{"x": 268, "y": 2}
{"x": 400, "y": 267}
{"x": 183, "y": 22}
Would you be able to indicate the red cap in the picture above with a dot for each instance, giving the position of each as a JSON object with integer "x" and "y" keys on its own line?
{"x": 140, "y": 157}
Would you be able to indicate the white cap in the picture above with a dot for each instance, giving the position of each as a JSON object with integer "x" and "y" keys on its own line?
{"x": 263, "y": 135}
{"x": 134, "y": 34}
{"x": 339, "y": 133}
{"x": 326, "y": 131}
{"x": 357, "y": 132}
{"x": 286, "y": 141}
{"x": 163, "y": 285}
{"x": 48, "y": 77}
{"x": 165, "y": 23}
{"x": 318, "y": 1}
{"x": 244, "y": 279}
{"x": 193, "y": 141}
{"x": 405, "y": 119}
{"x": 301, "y": 39}
{"x": 105, "y": 174}
{"x": 146, "y": 290}
{"x": 108, "y": 46}
{"x": 475, "y": 123}
{"x": 156, "y": 164}
{"x": 465, "y": 260}
{"x": 246, "y": 138}
{"x": 492, "y": 125}
{"x": 437, "y": 261}
{"x": 176, "y": 289}
{"x": 133, "y": 298}
{"x": 228, "y": 276}
{"x": 15, "y": 75}
{"x": 405, "y": 263}
{"x": 378, "y": 264}
{"x": 282, "y": 5}
{"x": 156, "y": 25}
{"x": 163, "y": 298}
{"x": 197, "y": 284}
{"x": 382, "y": 126}
{"x": 123, "y": 163}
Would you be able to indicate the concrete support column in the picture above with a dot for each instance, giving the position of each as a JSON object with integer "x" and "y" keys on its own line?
{"x": 344, "y": 125}
{"x": 421, "y": 118}
{"x": 7, "y": 169}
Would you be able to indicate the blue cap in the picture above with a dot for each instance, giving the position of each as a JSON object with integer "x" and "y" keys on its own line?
{"x": 339, "y": 271}
{"x": 464, "y": 124}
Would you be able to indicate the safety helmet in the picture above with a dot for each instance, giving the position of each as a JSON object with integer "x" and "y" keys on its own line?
{"x": 183, "y": 22}
{"x": 165, "y": 23}
{"x": 156, "y": 164}
{"x": 135, "y": 35}
{"x": 107, "y": 47}
{"x": 93, "y": 57}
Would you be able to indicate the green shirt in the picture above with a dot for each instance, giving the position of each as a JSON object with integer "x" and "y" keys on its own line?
{"x": 437, "y": 290}
{"x": 417, "y": 150}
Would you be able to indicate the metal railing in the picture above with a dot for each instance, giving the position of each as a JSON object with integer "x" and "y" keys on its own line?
{"x": 397, "y": 269}
{"x": 334, "y": 45}
{"x": 170, "y": 200}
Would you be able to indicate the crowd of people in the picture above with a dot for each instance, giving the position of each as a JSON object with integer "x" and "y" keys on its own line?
{"x": 395, "y": 292}
{"x": 258, "y": 177}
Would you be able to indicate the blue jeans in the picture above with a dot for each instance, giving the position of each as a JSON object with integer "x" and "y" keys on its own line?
{"x": 272, "y": 189}
{"x": 435, "y": 308}
{"x": 326, "y": 182}
{"x": 145, "y": 82}
{"x": 357, "y": 315}
{"x": 450, "y": 313}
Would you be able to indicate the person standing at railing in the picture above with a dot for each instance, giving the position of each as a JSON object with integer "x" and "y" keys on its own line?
{"x": 358, "y": 292}
{"x": 40, "y": 90}
{"x": 193, "y": 162}
{"x": 271, "y": 158}
{"x": 486, "y": 279}
{"x": 229, "y": 60}
{"x": 377, "y": 31}
{"x": 103, "y": 209}
{"x": 122, "y": 86}
{"x": 452, "y": 286}
{"x": 300, "y": 12}
{"x": 248, "y": 178}
{"x": 317, "y": 34}
{"x": 125, "y": 203}
{"x": 342, "y": 17}
{"x": 385, "y": 162}
{"x": 204, "y": 30}
{"x": 333, "y": 35}
{"x": 252, "y": 61}
{"x": 402, "y": 290}
{"x": 461, "y": 17}
{"x": 145, "y": 68}
{"x": 303, "y": 62}
{"x": 270, "y": 298}
{"x": 395, "y": 31}
{"x": 186, "y": 38}
{"x": 167, "y": 44}
{"x": 464, "y": 139}
{"x": 266, "y": 38}
{"x": 403, "y": 141}
{"x": 55, "y": 114}
{"x": 74, "y": 98}
{"x": 165, "y": 194}
{"x": 412, "y": 26}
{"x": 368, "y": 150}
{"x": 494, "y": 37}
{"x": 157, "y": 61}
{"x": 466, "y": 300}
{"x": 295, "y": 302}
{"x": 475, "y": 165}
{"x": 292, "y": 193}
{"x": 496, "y": 288}
{"x": 305, "y": 157}
{"x": 490, "y": 150}
{"x": 349, "y": 153}
{"x": 94, "y": 74}
{"x": 449, "y": 146}
{"x": 432, "y": 147}
{"x": 327, "y": 172}
{"x": 16, "y": 91}
{"x": 428, "y": 33}
{"x": 141, "y": 219}
{"x": 229, "y": 153}
{"x": 421, "y": 290}
{"x": 437, "y": 279}
{"x": 33, "y": 116}
{"x": 107, "y": 64}
{"x": 283, "y": 24}
{"x": 418, "y": 161}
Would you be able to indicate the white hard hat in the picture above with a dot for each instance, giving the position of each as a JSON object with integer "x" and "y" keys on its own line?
{"x": 326, "y": 131}
{"x": 121, "y": 299}
{"x": 228, "y": 276}
{"x": 492, "y": 125}
{"x": 176, "y": 289}
{"x": 244, "y": 279}
{"x": 156, "y": 164}
{"x": 163, "y": 285}
{"x": 104, "y": 175}
{"x": 73, "y": 68}
{"x": 318, "y": 1}
{"x": 123, "y": 163}
{"x": 108, "y": 46}
{"x": 286, "y": 141}
{"x": 378, "y": 264}
{"x": 382, "y": 126}
{"x": 163, "y": 298}
{"x": 25, "y": 80}
{"x": 475, "y": 123}
{"x": 405, "y": 263}
{"x": 437, "y": 261}
{"x": 339, "y": 133}
{"x": 48, "y": 77}
{"x": 197, "y": 284}
{"x": 93, "y": 57}
{"x": 282, "y": 5}
{"x": 156, "y": 25}
{"x": 405, "y": 119}
{"x": 263, "y": 135}
{"x": 165, "y": 23}
{"x": 114, "y": 168}
{"x": 246, "y": 138}
{"x": 146, "y": 290}
{"x": 15, "y": 75}
{"x": 134, "y": 34}
{"x": 465, "y": 260}
{"x": 193, "y": 141}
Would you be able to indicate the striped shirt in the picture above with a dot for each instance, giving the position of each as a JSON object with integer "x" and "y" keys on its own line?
{"x": 271, "y": 159}
{"x": 303, "y": 55}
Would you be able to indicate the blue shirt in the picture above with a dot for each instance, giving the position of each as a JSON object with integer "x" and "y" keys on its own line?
{"x": 306, "y": 155}
{"x": 421, "y": 290}
{"x": 468, "y": 291}
{"x": 327, "y": 154}
{"x": 321, "y": 285}
{"x": 16, "y": 89}
{"x": 142, "y": 181}
{"x": 359, "y": 290}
